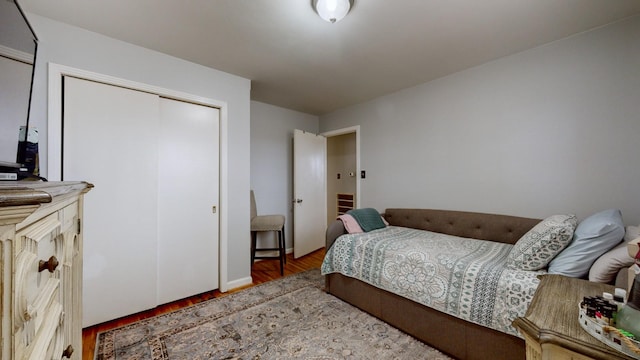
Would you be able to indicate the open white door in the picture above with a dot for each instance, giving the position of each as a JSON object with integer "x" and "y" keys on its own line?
{"x": 309, "y": 192}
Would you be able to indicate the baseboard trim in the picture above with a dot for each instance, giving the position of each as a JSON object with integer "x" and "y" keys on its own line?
{"x": 234, "y": 284}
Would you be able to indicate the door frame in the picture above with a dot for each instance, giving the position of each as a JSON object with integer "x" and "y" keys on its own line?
{"x": 349, "y": 130}
{"x": 54, "y": 138}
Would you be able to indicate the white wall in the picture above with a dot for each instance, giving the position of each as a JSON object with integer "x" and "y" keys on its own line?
{"x": 272, "y": 159}
{"x": 71, "y": 46}
{"x": 550, "y": 130}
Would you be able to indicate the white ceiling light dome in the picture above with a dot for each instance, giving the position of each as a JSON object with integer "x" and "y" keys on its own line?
{"x": 332, "y": 10}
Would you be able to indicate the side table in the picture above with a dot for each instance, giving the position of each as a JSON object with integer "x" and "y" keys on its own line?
{"x": 550, "y": 326}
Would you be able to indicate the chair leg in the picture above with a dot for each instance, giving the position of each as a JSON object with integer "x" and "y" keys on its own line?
{"x": 284, "y": 248}
{"x": 253, "y": 247}
{"x": 281, "y": 251}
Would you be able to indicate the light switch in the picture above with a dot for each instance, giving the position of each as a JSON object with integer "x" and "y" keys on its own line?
{"x": 363, "y": 174}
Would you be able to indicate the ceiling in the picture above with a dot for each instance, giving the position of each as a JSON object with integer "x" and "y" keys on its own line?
{"x": 298, "y": 61}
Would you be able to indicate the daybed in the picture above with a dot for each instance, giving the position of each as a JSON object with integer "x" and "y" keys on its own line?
{"x": 460, "y": 338}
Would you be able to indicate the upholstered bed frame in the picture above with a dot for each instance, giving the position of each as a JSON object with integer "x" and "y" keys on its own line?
{"x": 456, "y": 337}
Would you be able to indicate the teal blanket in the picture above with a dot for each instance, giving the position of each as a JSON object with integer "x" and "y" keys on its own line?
{"x": 368, "y": 218}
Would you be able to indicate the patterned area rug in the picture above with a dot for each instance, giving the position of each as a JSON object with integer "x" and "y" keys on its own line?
{"x": 289, "y": 318}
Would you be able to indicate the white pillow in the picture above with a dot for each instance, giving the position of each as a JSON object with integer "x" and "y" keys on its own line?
{"x": 606, "y": 267}
{"x": 538, "y": 246}
{"x": 631, "y": 233}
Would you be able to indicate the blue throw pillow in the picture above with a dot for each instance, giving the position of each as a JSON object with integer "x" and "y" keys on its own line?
{"x": 593, "y": 237}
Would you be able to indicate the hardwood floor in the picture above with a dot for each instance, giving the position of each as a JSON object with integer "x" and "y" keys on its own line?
{"x": 261, "y": 272}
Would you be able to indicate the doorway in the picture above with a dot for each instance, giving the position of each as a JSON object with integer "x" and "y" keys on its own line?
{"x": 310, "y": 222}
{"x": 343, "y": 171}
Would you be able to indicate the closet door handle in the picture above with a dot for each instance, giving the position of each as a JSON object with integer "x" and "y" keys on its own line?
{"x": 50, "y": 265}
{"x": 297, "y": 201}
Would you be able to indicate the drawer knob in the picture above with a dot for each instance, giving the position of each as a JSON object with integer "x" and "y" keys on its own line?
{"x": 68, "y": 352}
{"x": 50, "y": 265}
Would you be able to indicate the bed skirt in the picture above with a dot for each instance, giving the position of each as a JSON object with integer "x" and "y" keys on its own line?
{"x": 458, "y": 338}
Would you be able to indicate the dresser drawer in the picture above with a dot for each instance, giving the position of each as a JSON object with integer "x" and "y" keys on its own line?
{"x": 41, "y": 268}
{"x": 38, "y": 309}
{"x": 48, "y": 343}
{"x": 41, "y": 238}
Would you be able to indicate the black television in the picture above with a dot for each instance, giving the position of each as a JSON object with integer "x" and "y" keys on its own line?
{"x": 18, "y": 47}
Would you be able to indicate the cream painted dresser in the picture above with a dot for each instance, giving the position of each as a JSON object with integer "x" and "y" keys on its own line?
{"x": 41, "y": 269}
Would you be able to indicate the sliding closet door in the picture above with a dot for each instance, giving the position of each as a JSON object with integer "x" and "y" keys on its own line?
{"x": 187, "y": 200}
{"x": 110, "y": 137}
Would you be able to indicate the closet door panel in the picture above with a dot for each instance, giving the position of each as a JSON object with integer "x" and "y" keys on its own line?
{"x": 187, "y": 194}
{"x": 110, "y": 139}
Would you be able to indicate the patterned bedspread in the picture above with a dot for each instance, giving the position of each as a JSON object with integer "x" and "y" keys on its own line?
{"x": 462, "y": 277}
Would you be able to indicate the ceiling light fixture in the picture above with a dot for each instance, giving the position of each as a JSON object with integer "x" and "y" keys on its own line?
{"x": 332, "y": 10}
